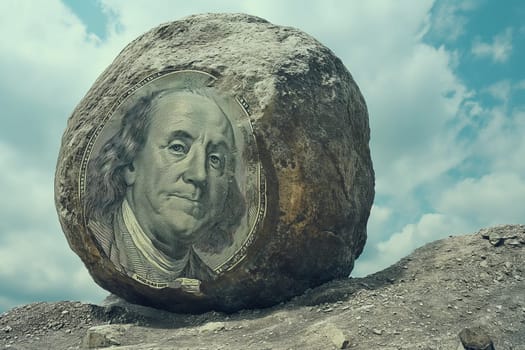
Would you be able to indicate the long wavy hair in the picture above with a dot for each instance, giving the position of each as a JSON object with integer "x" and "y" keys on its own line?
{"x": 106, "y": 185}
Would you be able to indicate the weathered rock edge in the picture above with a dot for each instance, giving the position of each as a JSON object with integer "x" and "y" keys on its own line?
{"x": 311, "y": 126}
{"x": 422, "y": 302}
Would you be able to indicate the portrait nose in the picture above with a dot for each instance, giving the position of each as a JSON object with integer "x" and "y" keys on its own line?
{"x": 196, "y": 169}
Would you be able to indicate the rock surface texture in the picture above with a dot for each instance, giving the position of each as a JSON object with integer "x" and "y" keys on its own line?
{"x": 462, "y": 286}
{"x": 310, "y": 124}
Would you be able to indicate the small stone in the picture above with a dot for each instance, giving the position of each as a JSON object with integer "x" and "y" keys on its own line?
{"x": 212, "y": 327}
{"x": 377, "y": 331}
{"x": 513, "y": 242}
{"x": 7, "y": 329}
{"x": 65, "y": 312}
{"x": 476, "y": 339}
{"x": 484, "y": 264}
{"x": 336, "y": 336}
{"x": 496, "y": 242}
{"x": 103, "y": 336}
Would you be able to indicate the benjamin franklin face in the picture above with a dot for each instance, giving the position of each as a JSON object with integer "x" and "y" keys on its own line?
{"x": 178, "y": 182}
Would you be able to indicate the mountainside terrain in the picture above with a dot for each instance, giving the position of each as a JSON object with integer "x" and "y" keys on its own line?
{"x": 423, "y": 301}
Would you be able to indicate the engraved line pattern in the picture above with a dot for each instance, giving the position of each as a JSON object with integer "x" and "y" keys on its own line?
{"x": 84, "y": 156}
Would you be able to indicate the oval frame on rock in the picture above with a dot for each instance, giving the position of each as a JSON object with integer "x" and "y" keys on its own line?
{"x": 179, "y": 184}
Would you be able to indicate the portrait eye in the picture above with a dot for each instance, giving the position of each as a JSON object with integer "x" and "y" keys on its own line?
{"x": 178, "y": 148}
{"x": 216, "y": 161}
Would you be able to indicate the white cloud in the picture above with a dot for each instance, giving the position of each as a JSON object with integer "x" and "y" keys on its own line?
{"x": 499, "y": 50}
{"x": 430, "y": 227}
{"x": 460, "y": 205}
{"x": 26, "y": 194}
{"x": 31, "y": 244}
{"x": 463, "y": 208}
{"x": 380, "y": 214}
{"x": 41, "y": 264}
{"x": 410, "y": 104}
{"x": 50, "y": 57}
{"x": 500, "y": 142}
{"x": 449, "y": 18}
{"x": 501, "y": 90}
{"x": 445, "y": 204}
{"x": 378, "y": 222}
{"x": 492, "y": 199}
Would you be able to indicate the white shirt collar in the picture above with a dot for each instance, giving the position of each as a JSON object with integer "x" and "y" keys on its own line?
{"x": 145, "y": 245}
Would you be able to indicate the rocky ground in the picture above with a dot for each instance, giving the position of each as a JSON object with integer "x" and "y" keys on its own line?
{"x": 422, "y": 302}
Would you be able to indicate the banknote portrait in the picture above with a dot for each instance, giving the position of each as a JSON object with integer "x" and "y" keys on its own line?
{"x": 173, "y": 185}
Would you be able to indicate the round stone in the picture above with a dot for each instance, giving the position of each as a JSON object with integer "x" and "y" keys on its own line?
{"x": 220, "y": 162}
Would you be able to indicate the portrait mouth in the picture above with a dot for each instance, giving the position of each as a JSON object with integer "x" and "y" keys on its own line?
{"x": 192, "y": 197}
{"x": 189, "y": 203}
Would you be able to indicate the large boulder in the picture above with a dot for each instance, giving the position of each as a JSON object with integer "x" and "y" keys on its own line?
{"x": 220, "y": 162}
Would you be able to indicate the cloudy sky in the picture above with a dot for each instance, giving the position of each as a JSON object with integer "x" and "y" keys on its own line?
{"x": 442, "y": 79}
